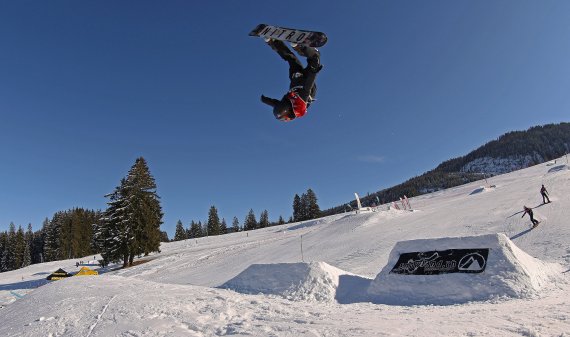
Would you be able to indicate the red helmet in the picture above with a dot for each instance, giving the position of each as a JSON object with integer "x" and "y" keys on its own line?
{"x": 298, "y": 104}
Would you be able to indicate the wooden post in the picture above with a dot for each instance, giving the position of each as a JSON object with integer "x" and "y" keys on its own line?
{"x": 302, "y": 257}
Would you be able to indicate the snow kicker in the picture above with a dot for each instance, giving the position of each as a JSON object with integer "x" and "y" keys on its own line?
{"x": 457, "y": 270}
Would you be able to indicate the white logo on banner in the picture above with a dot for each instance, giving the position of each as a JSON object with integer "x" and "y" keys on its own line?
{"x": 472, "y": 262}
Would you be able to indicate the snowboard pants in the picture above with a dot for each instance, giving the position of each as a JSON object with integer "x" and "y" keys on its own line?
{"x": 543, "y": 198}
{"x": 298, "y": 75}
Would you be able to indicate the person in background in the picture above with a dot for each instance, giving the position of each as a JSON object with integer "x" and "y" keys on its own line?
{"x": 544, "y": 194}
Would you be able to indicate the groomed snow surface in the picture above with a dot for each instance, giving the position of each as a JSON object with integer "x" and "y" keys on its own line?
{"x": 340, "y": 283}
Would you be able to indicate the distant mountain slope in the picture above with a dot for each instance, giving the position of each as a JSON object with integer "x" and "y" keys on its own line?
{"x": 514, "y": 150}
{"x": 511, "y": 151}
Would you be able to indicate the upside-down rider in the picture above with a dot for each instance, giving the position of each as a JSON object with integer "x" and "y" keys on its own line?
{"x": 302, "y": 88}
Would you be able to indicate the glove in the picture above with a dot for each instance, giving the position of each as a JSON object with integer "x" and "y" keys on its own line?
{"x": 269, "y": 101}
{"x": 314, "y": 65}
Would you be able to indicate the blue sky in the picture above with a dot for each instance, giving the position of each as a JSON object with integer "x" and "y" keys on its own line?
{"x": 86, "y": 87}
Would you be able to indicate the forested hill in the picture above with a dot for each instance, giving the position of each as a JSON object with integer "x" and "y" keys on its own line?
{"x": 521, "y": 148}
{"x": 511, "y": 151}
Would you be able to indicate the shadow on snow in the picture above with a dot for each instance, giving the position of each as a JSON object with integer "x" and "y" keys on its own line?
{"x": 521, "y": 234}
{"x": 32, "y": 284}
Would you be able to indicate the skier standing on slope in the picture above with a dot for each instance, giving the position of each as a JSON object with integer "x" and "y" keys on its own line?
{"x": 544, "y": 194}
{"x": 302, "y": 88}
{"x": 531, "y": 215}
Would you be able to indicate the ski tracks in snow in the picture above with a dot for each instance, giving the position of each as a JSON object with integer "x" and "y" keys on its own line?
{"x": 92, "y": 327}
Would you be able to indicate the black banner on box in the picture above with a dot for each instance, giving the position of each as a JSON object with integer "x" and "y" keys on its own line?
{"x": 442, "y": 262}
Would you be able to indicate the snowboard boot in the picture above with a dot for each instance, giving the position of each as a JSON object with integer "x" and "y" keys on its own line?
{"x": 312, "y": 54}
{"x": 305, "y": 51}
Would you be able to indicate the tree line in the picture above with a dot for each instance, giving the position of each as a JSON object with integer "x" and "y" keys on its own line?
{"x": 129, "y": 227}
{"x": 541, "y": 143}
{"x": 67, "y": 235}
{"x": 305, "y": 207}
{"x": 214, "y": 226}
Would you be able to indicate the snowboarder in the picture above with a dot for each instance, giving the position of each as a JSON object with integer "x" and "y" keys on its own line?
{"x": 531, "y": 215}
{"x": 544, "y": 194}
{"x": 302, "y": 88}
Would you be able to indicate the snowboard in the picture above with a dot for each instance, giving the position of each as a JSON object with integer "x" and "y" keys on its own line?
{"x": 303, "y": 37}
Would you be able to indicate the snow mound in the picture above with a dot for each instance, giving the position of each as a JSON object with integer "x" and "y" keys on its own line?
{"x": 507, "y": 271}
{"x": 482, "y": 189}
{"x": 314, "y": 281}
{"x": 559, "y": 168}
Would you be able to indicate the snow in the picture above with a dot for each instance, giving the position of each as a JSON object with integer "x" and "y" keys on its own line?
{"x": 483, "y": 189}
{"x": 509, "y": 272}
{"x": 558, "y": 168}
{"x": 314, "y": 281}
{"x": 263, "y": 283}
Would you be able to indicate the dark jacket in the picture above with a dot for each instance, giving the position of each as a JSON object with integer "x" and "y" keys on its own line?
{"x": 302, "y": 87}
{"x": 529, "y": 211}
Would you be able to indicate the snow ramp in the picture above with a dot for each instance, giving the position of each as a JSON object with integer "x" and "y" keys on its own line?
{"x": 457, "y": 270}
{"x": 314, "y": 281}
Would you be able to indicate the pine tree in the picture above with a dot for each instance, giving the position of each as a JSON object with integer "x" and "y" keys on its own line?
{"x": 164, "y": 236}
{"x": 297, "y": 209}
{"x": 75, "y": 232}
{"x": 86, "y": 219}
{"x": 235, "y": 225}
{"x": 180, "y": 233}
{"x": 51, "y": 231}
{"x": 281, "y": 220}
{"x": 264, "y": 219}
{"x": 99, "y": 242}
{"x": 66, "y": 240}
{"x": 38, "y": 253}
{"x": 95, "y": 223}
{"x": 313, "y": 210}
{"x": 203, "y": 229}
{"x": 75, "y": 218}
{"x": 213, "y": 224}
{"x": 189, "y": 232}
{"x": 19, "y": 248}
{"x": 114, "y": 233}
{"x": 223, "y": 227}
{"x": 9, "y": 254}
{"x": 28, "y": 241}
{"x": 147, "y": 210}
{"x": 304, "y": 215}
{"x": 195, "y": 230}
{"x": 131, "y": 223}
{"x": 3, "y": 238}
{"x": 250, "y": 223}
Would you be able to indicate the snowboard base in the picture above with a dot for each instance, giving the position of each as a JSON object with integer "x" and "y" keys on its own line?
{"x": 303, "y": 37}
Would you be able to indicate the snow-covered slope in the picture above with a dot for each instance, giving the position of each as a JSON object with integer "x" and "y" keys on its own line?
{"x": 501, "y": 165}
{"x": 280, "y": 289}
